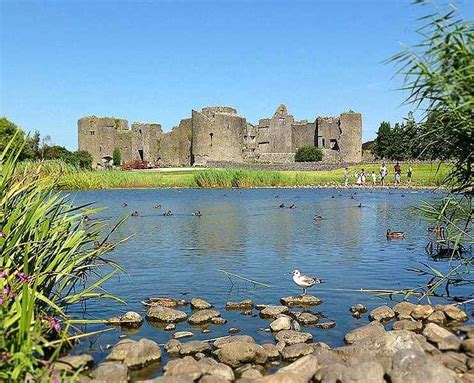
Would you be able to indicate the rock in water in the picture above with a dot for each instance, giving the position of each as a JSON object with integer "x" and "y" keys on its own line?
{"x": 194, "y": 347}
{"x": 136, "y": 354}
{"x": 301, "y": 301}
{"x": 200, "y": 304}
{"x": 273, "y": 311}
{"x": 290, "y": 337}
{"x": 111, "y": 372}
{"x": 305, "y": 318}
{"x": 296, "y": 351}
{"x": 382, "y": 314}
{"x": 182, "y": 334}
{"x": 235, "y": 354}
{"x": 186, "y": 367}
{"x": 165, "y": 314}
{"x": 373, "y": 329}
{"x": 203, "y": 316}
{"x": 404, "y": 310}
{"x": 246, "y": 304}
{"x": 231, "y": 339}
{"x": 281, "y": 323}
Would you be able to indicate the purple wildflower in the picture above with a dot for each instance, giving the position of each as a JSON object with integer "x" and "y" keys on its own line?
{"x": 5, "y": 356}
{"x": 6, "y": 291}
{"x": 54, "y": 324}
{"x": 25, "y": 278}
{"x": 55, "y": 379}
{"x": 2, "y": 300}
{"x": 3, "y": 274}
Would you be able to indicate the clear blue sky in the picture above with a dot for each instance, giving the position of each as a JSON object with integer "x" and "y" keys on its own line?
{"x": 154, "y": 61}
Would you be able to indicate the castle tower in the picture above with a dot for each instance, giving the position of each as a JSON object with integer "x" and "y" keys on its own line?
{"x": 218, "y": 134}
{"x": 350, "y": 140}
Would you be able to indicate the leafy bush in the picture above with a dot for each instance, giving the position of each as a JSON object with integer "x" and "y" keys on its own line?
{"x": 117, "y": 156}
{"x": 48, "y": 259}
{"x": 308, "y": 154}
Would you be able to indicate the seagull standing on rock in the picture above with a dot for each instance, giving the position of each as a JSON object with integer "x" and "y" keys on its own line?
{"x": 305, "y": 281}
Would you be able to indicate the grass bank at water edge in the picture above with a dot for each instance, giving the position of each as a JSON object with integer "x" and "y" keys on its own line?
{"x": 424, "y": 175}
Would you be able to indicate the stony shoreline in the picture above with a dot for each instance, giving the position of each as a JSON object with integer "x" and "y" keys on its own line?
{"x": 425, "y": 344}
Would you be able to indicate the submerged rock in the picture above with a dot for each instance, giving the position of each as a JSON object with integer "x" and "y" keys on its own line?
{"x": 203, "y": 316}
{"x": 273, "y": 311}
{"x": 173, "y": 346}
{"x": 358, "y": 309}
{"x": 301, "y": 300}
{"x": 326, "y": 325}
{"x": 200, "y": 304}
{"x": 233, "y": 330}
{"x": 231, "y": 339}
{"x": 218, "y": 321}
{"x": 74, "y": 362}
{"x": 246, "y": 304}
{"x": 170, "y": 327}
{"x": 290, "y": 337}
{"x": 296, "y": 351}
{"x": 163, "y": 301}
{"x": 164, "y": 314}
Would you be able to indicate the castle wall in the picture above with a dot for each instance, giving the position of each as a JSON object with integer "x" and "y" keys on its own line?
{"x": 145, "y": 141}
{"x": 327, "y": 132}
{"x": 275, "y": 134}
{"x": 217, "y": 135}
{"x": 350, "y": 141}
{"x": 303, "y": 134}
{"x": 175, "y": 146}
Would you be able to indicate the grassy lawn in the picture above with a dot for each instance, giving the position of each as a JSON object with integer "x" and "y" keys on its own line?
{"x": 424, "y": 175}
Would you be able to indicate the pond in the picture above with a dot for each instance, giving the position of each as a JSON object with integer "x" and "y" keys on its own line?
{"x": 244, "y": 231}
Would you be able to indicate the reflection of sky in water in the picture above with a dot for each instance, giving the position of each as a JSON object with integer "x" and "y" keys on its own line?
{"x": 245, "y": 232}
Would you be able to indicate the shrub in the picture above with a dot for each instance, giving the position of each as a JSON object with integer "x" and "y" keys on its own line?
{"x": 48, "y": 259}
{"x": 117, "y": 157}
{"x": 308, "y": 154}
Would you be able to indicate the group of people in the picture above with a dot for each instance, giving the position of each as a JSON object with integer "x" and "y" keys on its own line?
{"x": 362, "y": 178}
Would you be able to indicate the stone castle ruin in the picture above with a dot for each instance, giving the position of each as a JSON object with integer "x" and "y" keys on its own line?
{"x": 220, "y": 134}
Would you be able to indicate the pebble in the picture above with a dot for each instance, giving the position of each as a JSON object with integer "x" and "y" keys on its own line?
{"x": 182, "y": 334}
{"x": 233, "y": 330}
{"x": 170, "y": 327}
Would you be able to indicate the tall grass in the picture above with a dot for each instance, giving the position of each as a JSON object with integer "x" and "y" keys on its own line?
{"x": 48, "y": 262}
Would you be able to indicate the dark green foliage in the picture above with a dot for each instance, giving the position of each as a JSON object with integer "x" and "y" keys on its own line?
{"x": 117, "y": 157}
{"x": 308, "y": 154}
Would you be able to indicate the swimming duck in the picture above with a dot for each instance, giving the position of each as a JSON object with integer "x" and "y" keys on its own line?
{"x": 395, "y": 234}
{"x": 157, "y": 206}
{"x": 293, "y": 206}
{"x": 124, "y": 204}
{"x": 135, "y": 214}
{"x": 317, "y": 218}
{"x": 197, "y": 213}
{"x": 282, "y": 205}
{"x": 168, "y": 213}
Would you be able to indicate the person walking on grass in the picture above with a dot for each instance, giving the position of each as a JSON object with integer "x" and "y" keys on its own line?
{"x": 409, "y": 174}
{"x": 383, "y": 173}
{"x": 374, "y": 178}
{"x": 346, "y": 177}
{"x": 398, "y": 173}
{"x": 363, "y": 176}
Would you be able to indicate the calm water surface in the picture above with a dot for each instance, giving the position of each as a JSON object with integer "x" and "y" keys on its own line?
{"x": 245, "y": 232}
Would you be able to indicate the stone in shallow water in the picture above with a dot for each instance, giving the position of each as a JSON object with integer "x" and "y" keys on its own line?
{"x": 172, "y": 346}
{"x": 165, "y": 314}
{"x": 273, "y": 311}
{"x": 74, "y": 362}
{"x": 301, "y": 300}
{"x": 305, "y": 318}
{"x": 453, "y": 312}
{"x": 218, "y": 321}
{"x": 358, "y": 309}
{"x": 200, "y": 304}
{"x": 290, "y": 337}
{"x": 407, "y": 324}
{"x": 246, "y": 304}
{"x": 281, "y": 323}
{"x": 163, "y": 301}
{"x": 136, "y": 354}
{"x": 373, "y": 329}
{"x": 326, "y": 325}
{"x": 437, "y": 317}
{"x": 237, "y": 353}
{"x": 203, "y": 316}
{"x": 251, "y": 373}
{"x": 170, "y": 327}
{"x": 235, "y": 338}
{"x": 194, "y": 347}
{"x": 382, "y": 314}
{"x": 271, "y": 350}
{"x": 435, "y": 333}
{"x": 296, "y": 351}
{"x": 183, "y": 367}
{"x": 404, "y": 310}
{"x": 421, "y": 312}
{"x": 111, "y": 372}
{"x": 233, "y": 330}
{"x": 182, "y": 334}
{"x": 130, "y": 319}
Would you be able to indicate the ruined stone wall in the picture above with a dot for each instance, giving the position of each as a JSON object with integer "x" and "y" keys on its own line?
{"x": 275, "y": 134}
{"x": 303, "y": 134}
{"x": 99, "y": 136}
{"x": 175, "y": 146}
{"x": 145, "y": 142}
{"x": 327, "y": 132}
{"x": 276, "y": 158}
{"x": 350, "y": 140}
{"x": 217, "y": 135}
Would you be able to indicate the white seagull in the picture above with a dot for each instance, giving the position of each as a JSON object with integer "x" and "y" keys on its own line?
{"x": 305, "y": 281}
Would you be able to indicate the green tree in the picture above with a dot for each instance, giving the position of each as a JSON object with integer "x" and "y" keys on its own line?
{"x": 83, "y": 159}
{"x": 308, "y": 154}
{"x": 382, "y": 142}
{"x": 117, "y": 156}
